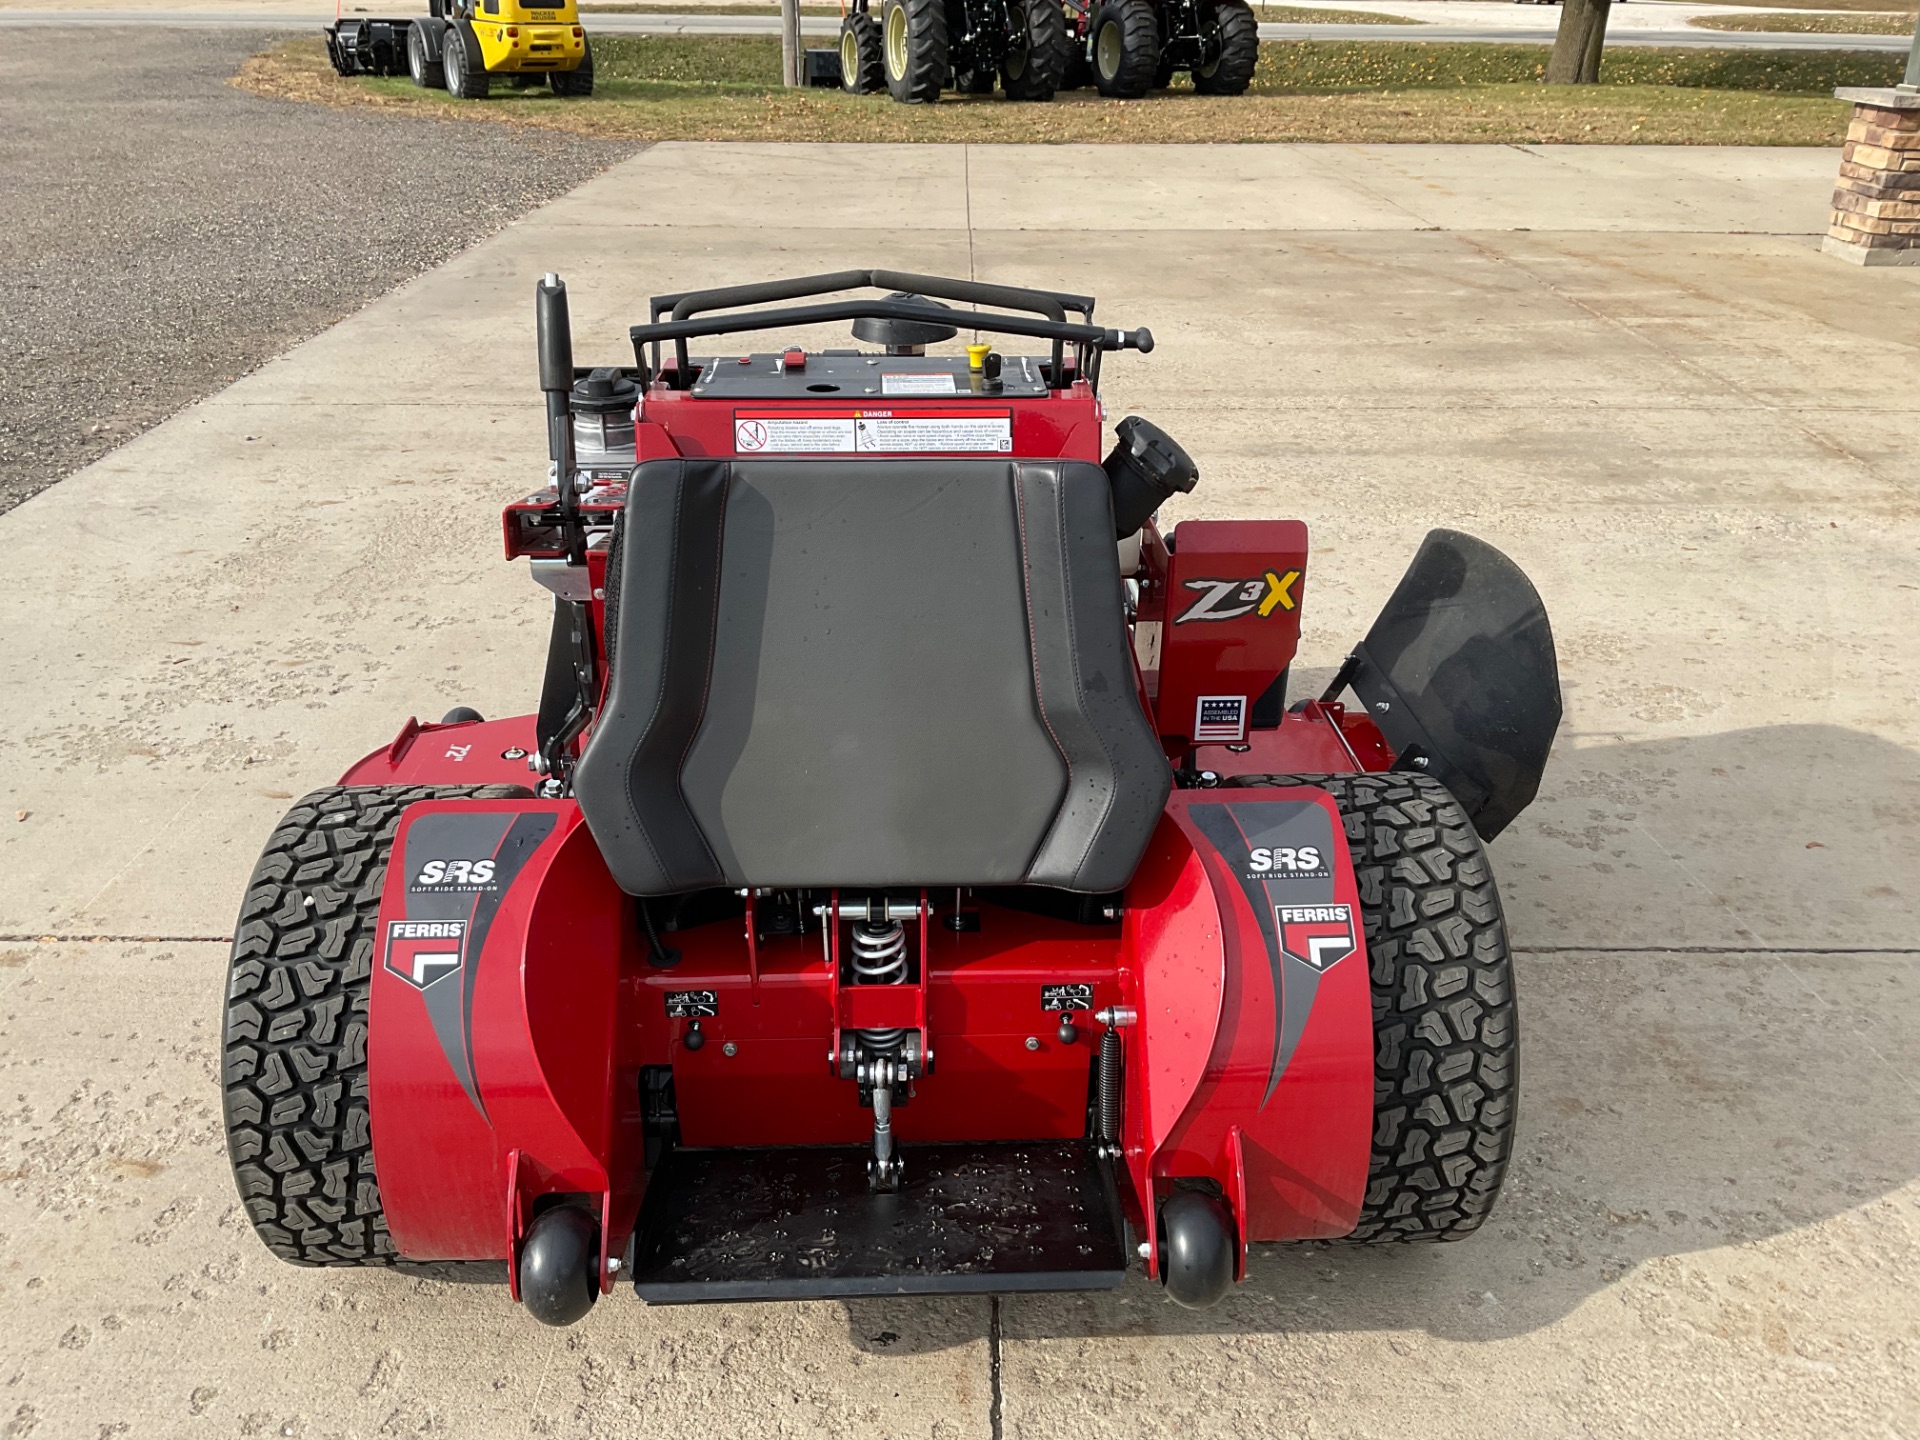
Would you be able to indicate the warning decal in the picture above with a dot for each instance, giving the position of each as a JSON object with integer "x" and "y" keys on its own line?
{"x": 792, "y": 434}
{"x": 896, "y": 430}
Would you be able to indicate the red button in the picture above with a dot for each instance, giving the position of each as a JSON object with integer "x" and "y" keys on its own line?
{"x": 794, "y": 360}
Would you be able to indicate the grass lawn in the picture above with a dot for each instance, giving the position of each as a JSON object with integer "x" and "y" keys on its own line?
{"x": 1803, "y": 23}
{"x": 726, "y": 88}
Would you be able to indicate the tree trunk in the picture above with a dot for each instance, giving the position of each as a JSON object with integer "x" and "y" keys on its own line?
{"x": 790, "y": 57}
{"x": 1576, "y": 49}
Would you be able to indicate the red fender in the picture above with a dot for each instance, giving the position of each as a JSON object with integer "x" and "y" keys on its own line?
{"x": 1255, "y": 1037}
{"x": 495, "y": 1003}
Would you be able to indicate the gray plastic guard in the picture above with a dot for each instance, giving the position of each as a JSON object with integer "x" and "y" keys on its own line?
{"x": 1459, "y": 671}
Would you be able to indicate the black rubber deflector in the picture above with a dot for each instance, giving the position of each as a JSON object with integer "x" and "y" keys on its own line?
{"x": 722, "y": 1225}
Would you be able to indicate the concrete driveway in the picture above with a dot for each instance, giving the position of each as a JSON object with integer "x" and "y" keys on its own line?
{"x": 1630, "y": 368}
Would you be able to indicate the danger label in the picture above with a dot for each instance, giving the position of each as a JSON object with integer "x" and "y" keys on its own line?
{"x": 792, "y": 435}
{"x": 921, "y": 430}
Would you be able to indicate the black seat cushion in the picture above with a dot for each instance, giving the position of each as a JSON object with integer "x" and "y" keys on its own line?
{"x": 889, "y": 673}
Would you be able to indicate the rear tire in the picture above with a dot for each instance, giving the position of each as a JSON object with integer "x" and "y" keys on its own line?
{"x": 427, "y": 74}
{"x": 1446, "y": 1035}
{"x": 913, "y": 43}
{"x": 1077, "y": 72}
{"x": 1126, "y": 48}
{"x": 1237, "y": 33}
{"x": 577, "y": 82}
{"x": 293, "y": 1065}
{"x": 463, "y": 64}
{"x": 863, "y": 70}
{"x": 1034, "y": 72}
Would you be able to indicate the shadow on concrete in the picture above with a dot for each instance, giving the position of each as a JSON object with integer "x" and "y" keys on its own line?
{"x": 1672, "y": 1101}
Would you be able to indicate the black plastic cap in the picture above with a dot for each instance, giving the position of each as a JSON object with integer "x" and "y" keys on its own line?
{"x": 559, "y": 1266}
{"x": 605, "y": 391}
{"x": 554, "y": 331}
{"x": 1145, "y": 467}
{"x": 905, "y": 332}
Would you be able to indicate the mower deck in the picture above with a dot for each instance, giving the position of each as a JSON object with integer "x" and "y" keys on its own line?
{"x": 802, "y": 1224}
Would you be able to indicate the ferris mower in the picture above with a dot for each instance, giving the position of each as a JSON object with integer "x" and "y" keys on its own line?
{"x": 914, "y": 879}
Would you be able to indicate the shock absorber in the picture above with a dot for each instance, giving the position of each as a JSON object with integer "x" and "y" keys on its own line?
{"x": 880, "y": 958}
{"x": 881, "y": 1061}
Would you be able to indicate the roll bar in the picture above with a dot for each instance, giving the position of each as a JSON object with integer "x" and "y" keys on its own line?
{"x": 1089, "y": 340}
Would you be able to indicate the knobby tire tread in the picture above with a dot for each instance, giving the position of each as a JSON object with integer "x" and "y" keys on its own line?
{"x": 1446, "y": 1036}
{"x": 1046, "y": 56}
{"x": 1239, "y": 35}
{"x": 1139, "y": 49}
{"x": 293, "y": 1068}
{"x": 928, "y": 63}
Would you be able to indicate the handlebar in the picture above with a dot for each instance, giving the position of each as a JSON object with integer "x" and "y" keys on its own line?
{"x": 1088, "y": 339}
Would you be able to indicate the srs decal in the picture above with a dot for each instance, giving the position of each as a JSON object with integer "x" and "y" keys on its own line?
{"x": 1280, "y": 852}
{"x": 459, "y": 864}
{"x": 455, "y": 875}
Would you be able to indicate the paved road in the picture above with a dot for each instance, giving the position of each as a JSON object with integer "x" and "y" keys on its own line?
{"x": 165, "y": 232}
{"x": 1701, "y": 441}
{"x": 698, "y": 24}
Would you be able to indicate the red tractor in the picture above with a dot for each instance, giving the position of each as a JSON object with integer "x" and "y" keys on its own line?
{"x": 914, "y": 879}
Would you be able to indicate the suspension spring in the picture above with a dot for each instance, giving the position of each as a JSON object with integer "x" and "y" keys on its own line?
{"x": 880, "y": 958}
{"x": 1109, "y": 1115}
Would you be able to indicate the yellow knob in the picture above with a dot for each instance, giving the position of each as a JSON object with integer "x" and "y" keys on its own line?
{"x": 977, "y": 356}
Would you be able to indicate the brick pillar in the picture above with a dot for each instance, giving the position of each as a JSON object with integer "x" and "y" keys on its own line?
{"x": 1876, "y": 201}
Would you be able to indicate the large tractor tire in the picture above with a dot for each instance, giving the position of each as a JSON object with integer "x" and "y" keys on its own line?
{"x": 1033, "y": 71}
{"x": 863, "y": 70}
{"x": 1446, "y": 1036}
{"x": 913, "y": 36}
{"x": 293, "y": 1065}
{"x": 462, "y": 62}
{"x": 427, "y": 74}
{"x": 1126, "y": 48}
{"x": 577, "y": 82}
{"x": 1237, "y": 40}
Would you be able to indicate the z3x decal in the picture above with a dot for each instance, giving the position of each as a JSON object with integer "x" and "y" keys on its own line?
{"x": 1230, "y": 599}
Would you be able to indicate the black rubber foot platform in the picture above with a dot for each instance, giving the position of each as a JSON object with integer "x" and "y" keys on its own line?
{"x": 801, "y": 1224}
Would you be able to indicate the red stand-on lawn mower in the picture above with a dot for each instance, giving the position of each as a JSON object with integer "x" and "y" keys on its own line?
{"x": 914, "y": 880}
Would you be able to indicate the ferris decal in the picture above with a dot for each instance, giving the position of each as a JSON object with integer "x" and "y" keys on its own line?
{"x": 1230, "y": 599}
{"x": 1316, "y": 935}
{"x": 422, "y": 952}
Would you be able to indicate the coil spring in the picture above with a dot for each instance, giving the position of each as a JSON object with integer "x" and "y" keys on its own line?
{"x": 880, "y": 958}
{"x": 1110, "y": 1075}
